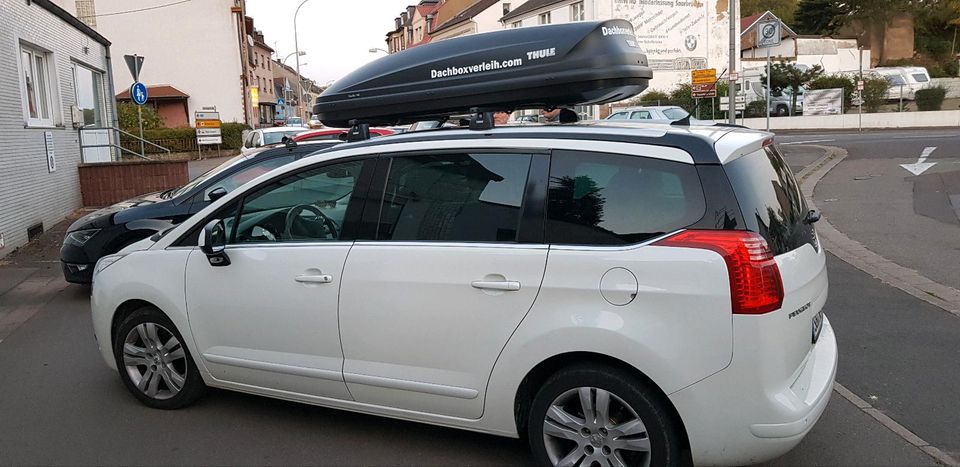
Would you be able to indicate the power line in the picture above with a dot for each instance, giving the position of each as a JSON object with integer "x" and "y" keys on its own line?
{"x": 141, "y": 9}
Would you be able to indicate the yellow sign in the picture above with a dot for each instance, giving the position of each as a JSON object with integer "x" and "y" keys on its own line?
{"x": 254, "y": 96}
{"x": 208, "y": 124}
{"x": 705, "y": 76}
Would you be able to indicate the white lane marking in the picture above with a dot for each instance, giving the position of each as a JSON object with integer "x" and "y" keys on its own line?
{"x": 921, "y": 165}
{"x": 808, "y": 142}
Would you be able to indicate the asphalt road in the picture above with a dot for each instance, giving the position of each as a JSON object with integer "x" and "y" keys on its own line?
{"x": 59, "y": 404}
{"x": 912, "y": 220}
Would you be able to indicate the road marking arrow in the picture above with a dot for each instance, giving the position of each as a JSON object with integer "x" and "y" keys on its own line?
{"x": 921, "y": 165}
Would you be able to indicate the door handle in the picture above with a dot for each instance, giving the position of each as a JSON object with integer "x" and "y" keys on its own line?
{"x": 317, "y": 279}
{"x": 508, "y": 286}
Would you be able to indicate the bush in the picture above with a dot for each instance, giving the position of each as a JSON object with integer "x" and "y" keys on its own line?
{"x": 931, "y": 98}
{"x": 183, "y": 139}
{"x": 874, "y": 92}
{"x": 128, "y": 121}
{"x": 756, "y": 109}
{"x": 836, "y": 81}
{"x": 233, "y": 135}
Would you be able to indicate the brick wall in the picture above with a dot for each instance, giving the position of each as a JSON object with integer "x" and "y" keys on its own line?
{"x": 109, "y": 183}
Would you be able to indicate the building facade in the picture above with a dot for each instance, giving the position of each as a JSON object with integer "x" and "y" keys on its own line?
{"x": 56, "y": 72}
{"x": 480, "y": 16}
{"x": 263, "y": 100}
{"x": 677, "y": 36}
{"x": 201, "y": 48}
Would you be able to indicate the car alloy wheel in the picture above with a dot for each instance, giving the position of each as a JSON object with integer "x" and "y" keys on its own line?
{"x": 589, "y": 426}
{"x": 155, "y": 360}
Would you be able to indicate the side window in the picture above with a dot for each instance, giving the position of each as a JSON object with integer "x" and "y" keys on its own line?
{"x": 640, "y": 115}
{"x": 620, "y": 116}
{"x": 454, "y": 197}
{"x": 233, "y": 181}
{"x": 255, "y": 140}
{"x": 307, "y": 206}
{"x": 606, "y": 199}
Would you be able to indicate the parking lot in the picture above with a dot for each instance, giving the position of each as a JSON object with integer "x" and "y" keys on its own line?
{"x": 62, "y": 405}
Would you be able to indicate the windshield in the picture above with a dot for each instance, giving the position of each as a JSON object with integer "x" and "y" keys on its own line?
{"x": 275, "y": 137}
{"x": 675, "y": 114}
{"x": 174, "y": 192}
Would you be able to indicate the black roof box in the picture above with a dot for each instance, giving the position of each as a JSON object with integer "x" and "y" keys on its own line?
{"x": 589, "y": 62}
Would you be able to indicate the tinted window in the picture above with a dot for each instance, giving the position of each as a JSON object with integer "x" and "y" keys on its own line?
{"x": 605, "y": 199}
{"x": 244, "y": 175}
{"x": 675, "y": 114}
{"x": 454, "y": 197}
{"x": 770, "y": 199}
{"x": 920, "y": 77}
{"x": 307, "y": 206}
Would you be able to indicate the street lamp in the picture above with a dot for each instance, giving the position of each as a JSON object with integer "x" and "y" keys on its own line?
{"x": 374, "y": 50}
{"x": 296, "y": 46}
{"x": 299, "y": 54}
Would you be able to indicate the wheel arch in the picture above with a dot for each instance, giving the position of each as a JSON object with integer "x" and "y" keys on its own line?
{"x": 124, "y": 310}
{"x": 537, "y": 375}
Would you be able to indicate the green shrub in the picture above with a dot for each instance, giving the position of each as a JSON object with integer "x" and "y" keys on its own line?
{"x": 836, "y": 81}
{"x": 128, "y": 120}
{"x": 931, "y": 98}
{"x": 756, "y": 109}
{"x": 233, "y": 135}
{"x": 874, "y": 92}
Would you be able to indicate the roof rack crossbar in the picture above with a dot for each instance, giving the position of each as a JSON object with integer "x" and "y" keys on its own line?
{"x": 481, "y": 119}
{"x": 358, "y": 131}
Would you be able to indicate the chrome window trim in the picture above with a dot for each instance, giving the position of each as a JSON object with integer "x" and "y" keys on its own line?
{"x": 437, "y": 244}
{"x": 632, "y": 246}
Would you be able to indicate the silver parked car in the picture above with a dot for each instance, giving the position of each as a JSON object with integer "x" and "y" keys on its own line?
{"x": 654, "y": 114}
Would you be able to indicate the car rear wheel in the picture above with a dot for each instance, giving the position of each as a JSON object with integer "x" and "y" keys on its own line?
{"x": 154, "y": 363}
{"x": 601, "y": 416}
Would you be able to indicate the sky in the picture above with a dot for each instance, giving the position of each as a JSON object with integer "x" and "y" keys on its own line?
{"x": 336, "y": 35}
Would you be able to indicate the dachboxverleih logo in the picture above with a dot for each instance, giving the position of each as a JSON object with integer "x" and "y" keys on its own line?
{"x": 478, "y": 68}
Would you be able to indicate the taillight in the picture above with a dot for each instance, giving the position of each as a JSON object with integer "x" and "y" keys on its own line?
{"x": 755, "y": 285}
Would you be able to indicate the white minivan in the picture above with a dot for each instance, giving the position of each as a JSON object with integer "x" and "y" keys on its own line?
{"x": 613, "y": 292}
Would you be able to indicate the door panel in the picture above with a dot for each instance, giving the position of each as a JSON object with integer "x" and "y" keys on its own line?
{"x": 255, "y": 324}
{"x": 418, "y": 334}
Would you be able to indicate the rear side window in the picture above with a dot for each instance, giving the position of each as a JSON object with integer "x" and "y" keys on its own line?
{"x": 770, "y": 200}
{"x": 606, "y": 199}
{"x": 454, "y": 197}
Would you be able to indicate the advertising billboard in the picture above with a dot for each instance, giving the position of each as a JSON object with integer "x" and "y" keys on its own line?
{"x": 679, "y": 36}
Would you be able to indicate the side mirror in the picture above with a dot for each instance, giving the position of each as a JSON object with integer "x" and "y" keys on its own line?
{"x": 217, "y": 193}
{"x": 213, "y": 243}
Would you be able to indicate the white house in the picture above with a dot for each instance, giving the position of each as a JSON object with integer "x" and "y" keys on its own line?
{"x": 196, "y": 47}
{"x": 56, "y": 75}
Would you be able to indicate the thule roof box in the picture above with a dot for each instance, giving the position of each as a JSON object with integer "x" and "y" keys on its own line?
{"x": 591, "y": 62}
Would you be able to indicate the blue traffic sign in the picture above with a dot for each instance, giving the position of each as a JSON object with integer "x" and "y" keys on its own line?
{"x": 138, "y": 92}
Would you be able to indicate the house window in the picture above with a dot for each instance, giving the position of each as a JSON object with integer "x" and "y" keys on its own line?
{"x": 506, "y": 8}
{"x": 516, "y": 24}
{"x": 88, "y": 86}
{"x": 35, "y": 88}
{"x": 544, "y": 18}
{"x": 577, "y": 12}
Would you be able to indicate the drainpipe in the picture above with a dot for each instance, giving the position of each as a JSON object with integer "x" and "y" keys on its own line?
{"x": 115, "y": 121}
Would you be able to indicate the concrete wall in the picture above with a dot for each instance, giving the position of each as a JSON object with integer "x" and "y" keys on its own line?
{"x": 29, "y": 192}
{"x": 951, "y": 84}
{"x": 939, "y": 119}
{"x": 191, "y": 46}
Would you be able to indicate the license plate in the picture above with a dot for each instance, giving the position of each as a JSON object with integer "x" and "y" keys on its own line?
{"x": 817, "y": 326}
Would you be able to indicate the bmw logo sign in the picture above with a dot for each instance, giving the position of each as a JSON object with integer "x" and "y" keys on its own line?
{"x": 691, "y": 43}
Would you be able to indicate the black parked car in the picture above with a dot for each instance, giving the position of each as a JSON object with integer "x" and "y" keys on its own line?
{"x": 110, "y": 229}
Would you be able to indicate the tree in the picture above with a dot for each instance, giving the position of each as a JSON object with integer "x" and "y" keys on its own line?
{"x": 785, "y": 75}
{"x": 818, "y": 17}
{"x": 784, "y": 9}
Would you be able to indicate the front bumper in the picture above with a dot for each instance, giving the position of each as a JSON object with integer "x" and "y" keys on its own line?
{"x": 730, "y": 421}
{"x": 77, "y": 273}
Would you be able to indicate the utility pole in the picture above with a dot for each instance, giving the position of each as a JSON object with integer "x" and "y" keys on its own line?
{"x": 860, "y": 92}
{"x": 732, "y": 17}
{"x": 768, "y": 89}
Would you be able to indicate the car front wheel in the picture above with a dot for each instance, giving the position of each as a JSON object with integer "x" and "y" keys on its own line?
{"x": 588, "y": 416}
{"x": 154, "y": 363}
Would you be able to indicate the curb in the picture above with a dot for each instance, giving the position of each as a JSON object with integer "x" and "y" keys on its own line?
{"x": 900, "y": 430}
{"x": 858, "y": 256}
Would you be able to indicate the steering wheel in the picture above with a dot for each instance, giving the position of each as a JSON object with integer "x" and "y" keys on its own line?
{"x": 294, "y": 213}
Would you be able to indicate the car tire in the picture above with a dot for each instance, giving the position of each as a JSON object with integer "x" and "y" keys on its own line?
{"x": 154, "y": 363}
{"x": 782, "y": 111}
{"x": 638, "y": 428}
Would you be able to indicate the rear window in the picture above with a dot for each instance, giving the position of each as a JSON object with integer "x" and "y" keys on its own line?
{"x": 607, "y": 199}
{"x": 770, "y": 200}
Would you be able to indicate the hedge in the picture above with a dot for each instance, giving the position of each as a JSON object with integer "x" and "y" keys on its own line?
{"x": 183, "y": 139}
{"x": 931, "y": 98}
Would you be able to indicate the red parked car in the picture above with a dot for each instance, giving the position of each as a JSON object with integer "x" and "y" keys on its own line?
{"x": 336, "y": 133}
